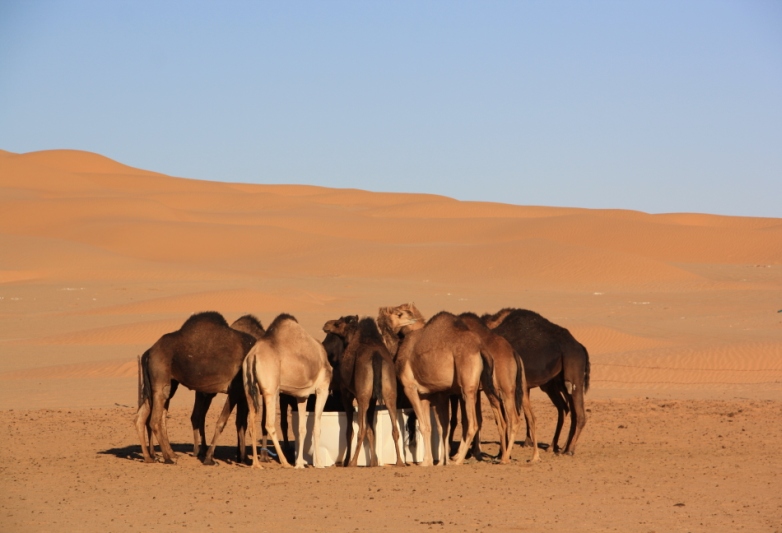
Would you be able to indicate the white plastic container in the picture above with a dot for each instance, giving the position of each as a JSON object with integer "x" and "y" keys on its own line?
{"x": 333, "y": 443}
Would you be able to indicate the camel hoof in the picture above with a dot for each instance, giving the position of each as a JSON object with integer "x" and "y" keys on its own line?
{"x": 209, "y": 462}
{"x": 149, "y": 460}
{"x": 569, "y": 453}
{"x": 257, "y": 466}
{"x": 298, "y": 467}
{"x": 169, "y": 461}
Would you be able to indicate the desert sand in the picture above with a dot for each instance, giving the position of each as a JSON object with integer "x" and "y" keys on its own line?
{"x": 681, "y": 314}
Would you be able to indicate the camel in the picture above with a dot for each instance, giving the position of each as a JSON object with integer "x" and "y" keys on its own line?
{"x": 553, "y": 360}
{"x": 366, "y": 372}
{"x": 508, "y": 379}
{"x": 204, "y": 355}
{"x": 441, "y": 358}
{"x": 286, "y": 359}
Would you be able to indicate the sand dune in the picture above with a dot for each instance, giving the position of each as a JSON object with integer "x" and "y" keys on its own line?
{"x": 661, "y": 301}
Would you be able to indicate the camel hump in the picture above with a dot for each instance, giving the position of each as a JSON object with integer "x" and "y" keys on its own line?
{"x": 249, "y": 324}
{"x": 461, "y": 325}
{"x": 278, "y": 321}
{"x": 209, "y": 317}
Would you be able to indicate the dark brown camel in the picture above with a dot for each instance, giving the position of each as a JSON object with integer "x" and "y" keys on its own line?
{"x": 204, "y": 355}
{"x": 367, "y": 373}
{"x": 553, "y": 360}
{"x": 286, "y": 359}
{"x": 441, "y": 358}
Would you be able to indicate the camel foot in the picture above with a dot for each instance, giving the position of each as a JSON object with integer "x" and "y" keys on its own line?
{"x": 256, "y": 466}
{"x": 570, "y": 453}
{"x": 149, "y": 460}
{"x": 298, "y": 467}
{"x": 169, "y": 461}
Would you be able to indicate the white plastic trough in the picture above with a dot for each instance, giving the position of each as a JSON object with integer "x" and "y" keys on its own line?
{"x": 333, "y": 442}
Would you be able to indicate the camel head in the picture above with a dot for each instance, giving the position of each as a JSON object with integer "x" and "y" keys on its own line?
{"x": 401, "y": 317}
{"x": 342, "y": 327}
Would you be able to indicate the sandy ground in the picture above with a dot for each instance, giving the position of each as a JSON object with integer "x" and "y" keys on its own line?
{"x": 681, "y": 314}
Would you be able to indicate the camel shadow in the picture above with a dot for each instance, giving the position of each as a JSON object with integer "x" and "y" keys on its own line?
{"x": 226, "y": 454}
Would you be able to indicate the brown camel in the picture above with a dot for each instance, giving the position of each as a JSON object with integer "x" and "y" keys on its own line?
{"x": 367, "y": 373}
{"x": 441, "y": 358}
{"x": 286, "y": 359}
{"x": 204, "y": 355}
{"x": 508, "y": 380}
{"x": 553, "y": 360}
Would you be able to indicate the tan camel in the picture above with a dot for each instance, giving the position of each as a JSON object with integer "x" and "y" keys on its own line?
{"x": 366, "y": 372}
{"x": 286, "y": 359}
{"x": 508, "y": 379}
{"x": 441, "y": 358}
{"x": 511, "y": 384}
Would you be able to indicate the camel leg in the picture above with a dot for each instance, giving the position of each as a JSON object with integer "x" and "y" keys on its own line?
{"x": 389, "y": 397}
{"x": 530, "y": 417}
{"x": 285, "y": 405}
{"x": 253, "y": 404}
{"x": 421, "y": 408}
{"x": 361, "y": 416}
{"x": 453, "y": 399}
{"x": 158, "y": 424}
{"x": 198, "y": 421}
{"x": 577, "y": 419}
{"x": 264, "y": 434}
{"x": 363, "y": 406}
{"x": 512, "y": 422}
{"x": 499, "y": 418}
{"x": 441, "y": 403}
{"x": 477, "y": 453}
{"x": 555, "y": 395}
{"x": 221, "y": 421}
{"x": 301, "y": 405}
{"x": 269, "y": 399}
{"x": 468, "y": 397}
{"x": 347, "y": 402}
{"x": 370, "y": 425}
{"x": 142, "y": 416}
{"x": 242, "y": 410}
{"x": 321, "y": 396}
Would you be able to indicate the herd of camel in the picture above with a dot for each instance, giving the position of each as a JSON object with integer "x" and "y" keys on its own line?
{"x": 444, "y": 363}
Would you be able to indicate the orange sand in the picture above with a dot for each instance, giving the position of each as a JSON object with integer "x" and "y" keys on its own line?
{"x": 679, "y": 312}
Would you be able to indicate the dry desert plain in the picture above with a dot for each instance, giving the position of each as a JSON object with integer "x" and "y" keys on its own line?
{"x": 681, "y": 314}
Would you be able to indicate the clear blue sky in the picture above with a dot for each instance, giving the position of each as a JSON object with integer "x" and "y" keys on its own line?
{"x": 659, "y": 106}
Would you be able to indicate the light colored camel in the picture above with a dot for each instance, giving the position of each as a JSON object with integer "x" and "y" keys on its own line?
{"x": 286, "y": 359}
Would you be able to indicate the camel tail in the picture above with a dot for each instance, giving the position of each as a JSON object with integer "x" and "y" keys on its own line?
{"x": 586, "y": 369}
{"x": 487, "y": 375}
{"x": 520, "y": 382}
{"x": 251, "y": 382}
{"x": 377, "y": 376}
{"x": 144, "y": 384}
